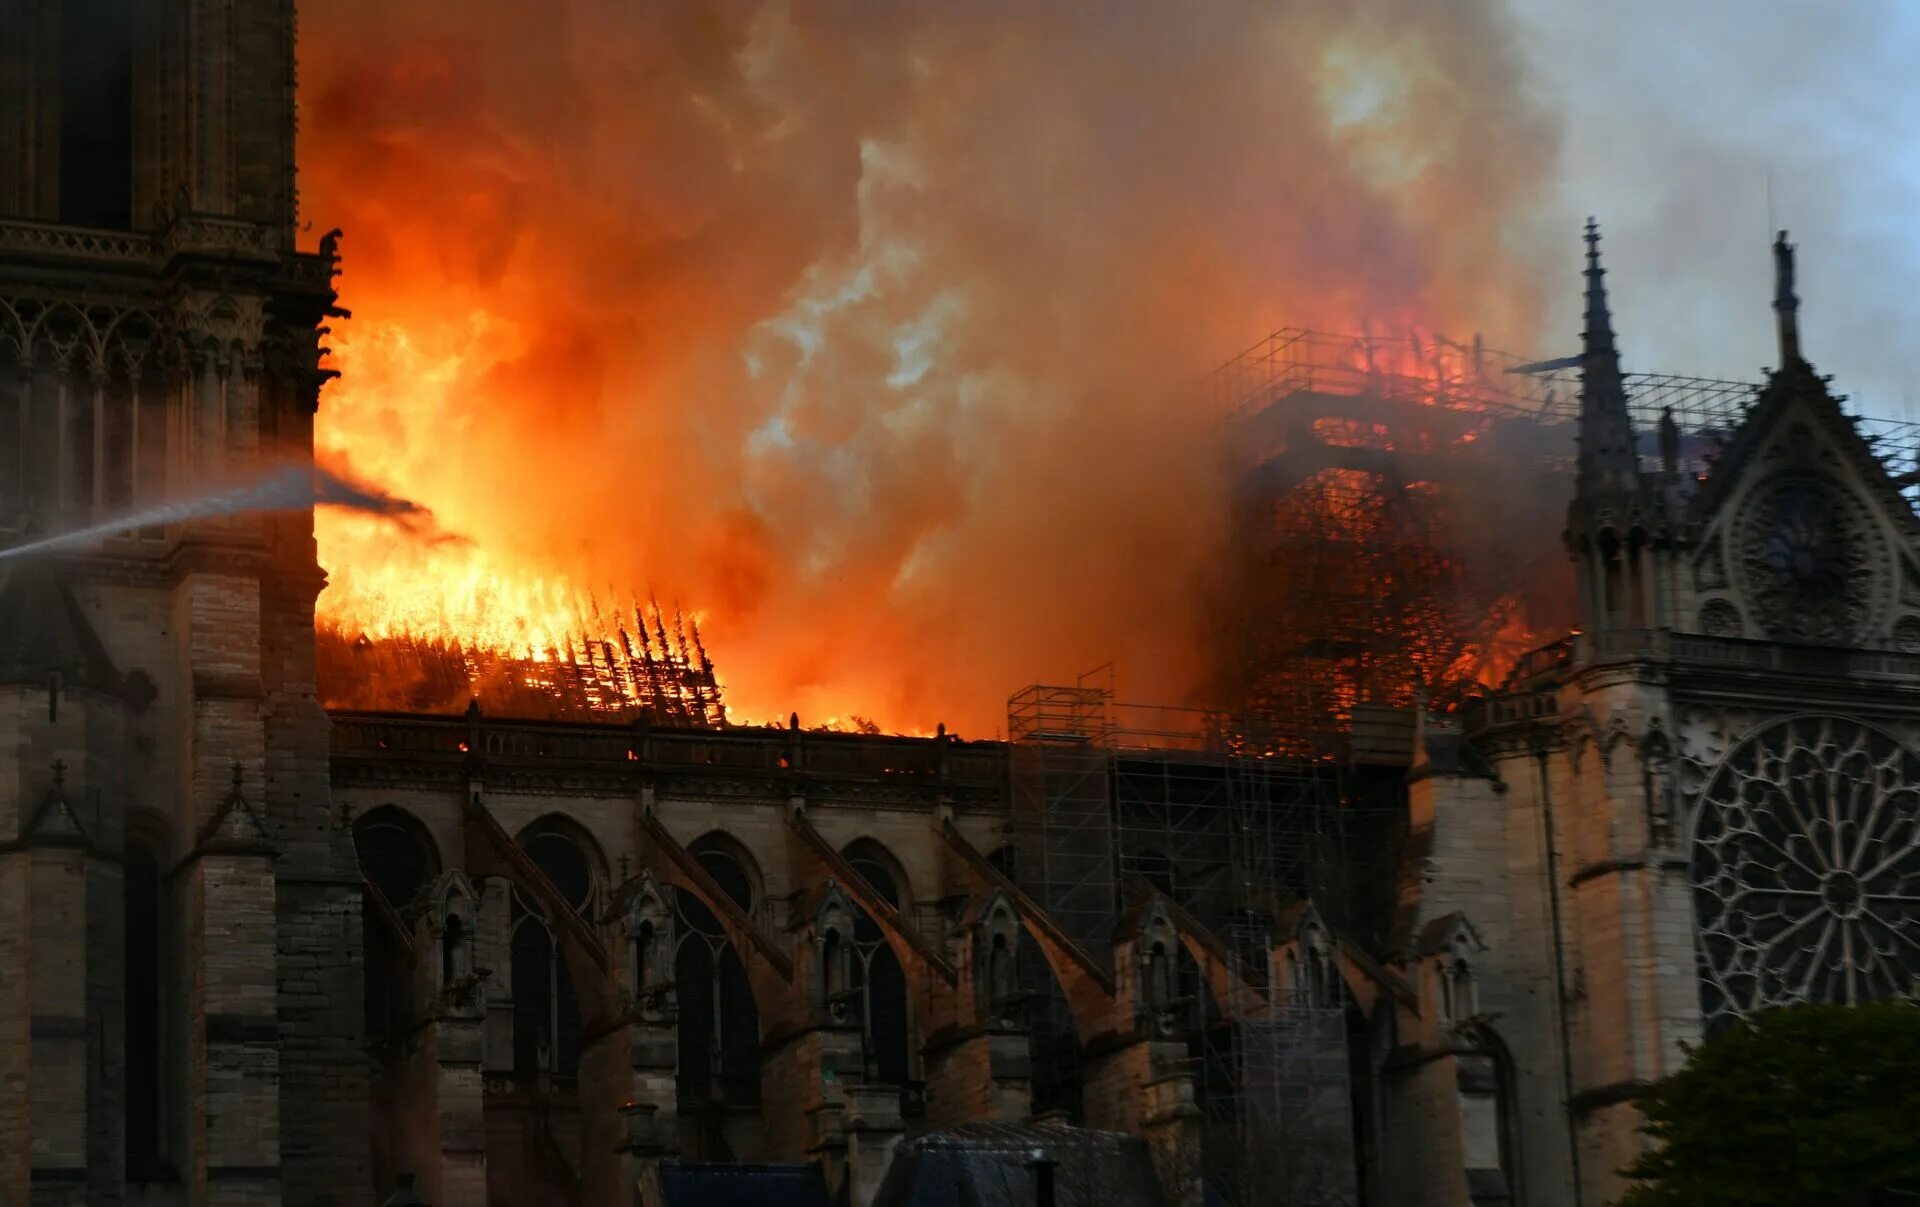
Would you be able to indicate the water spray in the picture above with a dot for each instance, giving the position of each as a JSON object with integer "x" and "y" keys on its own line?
{"x": 290, "y": 488}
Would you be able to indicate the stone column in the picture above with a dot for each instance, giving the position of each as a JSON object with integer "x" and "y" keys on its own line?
{"x": 606, "y": 1085}
{"x": 827, "y": 1141}
{"x": 873, "y": 1126}
{"x": 231, "y": 906}
{"x": 983, "y": 1073}
{"x": 803, "y": 1075}
{"x": 56, "y": 993}
{"x": 462, "y": 1174}
{"x": 1174, "y": 1131}
{"x": 232, "y": 928}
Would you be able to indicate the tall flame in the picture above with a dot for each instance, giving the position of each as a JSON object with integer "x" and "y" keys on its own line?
{"x": 869, "y": 333}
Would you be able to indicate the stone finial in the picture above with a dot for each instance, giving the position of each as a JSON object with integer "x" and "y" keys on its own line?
{"x": 1786, "y": 304}
{"x": 1607, "y": 459}
{"x": 1669, "y": 442}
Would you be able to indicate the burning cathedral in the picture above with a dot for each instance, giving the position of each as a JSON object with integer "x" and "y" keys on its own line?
{"x": 1409, "y": 922}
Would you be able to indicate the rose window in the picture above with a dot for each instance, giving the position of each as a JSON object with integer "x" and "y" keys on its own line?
{"x": 1810, "y": 559}
{"x": 1806, "y": 869}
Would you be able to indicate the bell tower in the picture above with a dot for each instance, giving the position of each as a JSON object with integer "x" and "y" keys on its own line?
{"x": 179, "y": 903}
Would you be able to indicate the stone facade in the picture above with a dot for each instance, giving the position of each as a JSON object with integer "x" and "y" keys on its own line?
{"x": 158, "y": 338}
{"x": 256, "y": 954}
{"x": 1704, "y": 802}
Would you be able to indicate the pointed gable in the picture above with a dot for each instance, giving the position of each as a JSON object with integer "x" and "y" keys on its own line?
{"x": 235, "y": 826}
{"x": 1803, "y": 534}
{"x": 55, "y": 823}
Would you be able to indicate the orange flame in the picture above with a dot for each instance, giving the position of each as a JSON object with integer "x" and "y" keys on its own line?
{"x": 870, "y": 337}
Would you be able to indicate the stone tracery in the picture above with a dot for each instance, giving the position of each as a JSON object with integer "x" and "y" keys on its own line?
{"x": 1808, "y": 557}
{"x": 1806, "y": 869}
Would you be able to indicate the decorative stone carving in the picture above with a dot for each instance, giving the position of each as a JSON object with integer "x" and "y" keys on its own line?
{"x": 454, "y": 930}
{"x": 1158, "y": 946}
{"x": 1656, "y": 759}
{"x": 1720, "y": 618}
{"x": 996, "y": 942}
{"x": 1806, "y": 868}
{"x": 648, "y": 926}
{"x": 1710, "y": 568}
{"x": 1810, "y": 559}
{"x": 833, "y": 941}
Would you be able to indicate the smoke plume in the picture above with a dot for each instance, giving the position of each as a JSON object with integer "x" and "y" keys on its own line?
{"x": 874, "y": 332}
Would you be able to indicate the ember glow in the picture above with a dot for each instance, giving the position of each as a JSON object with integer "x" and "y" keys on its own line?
{"x": 869, "y": 335}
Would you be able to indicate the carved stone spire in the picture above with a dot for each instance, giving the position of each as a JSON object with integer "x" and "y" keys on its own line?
{"x": 1786, "y": 304}
{"x": 1607, "y": 461}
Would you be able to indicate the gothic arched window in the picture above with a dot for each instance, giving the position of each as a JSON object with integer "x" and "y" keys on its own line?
{"x": 397, "y": 860}
{"x": 96, "y": 113}
{"x": 879, "y": 983}
{"x": 719, "y": 1023}
{"x": 546, "y": 1005}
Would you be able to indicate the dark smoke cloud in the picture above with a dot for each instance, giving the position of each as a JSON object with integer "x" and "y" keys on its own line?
{"x": 874, "y": 330}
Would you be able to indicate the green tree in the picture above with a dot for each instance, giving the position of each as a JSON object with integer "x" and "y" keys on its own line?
{"x": 1801, "y": 1106}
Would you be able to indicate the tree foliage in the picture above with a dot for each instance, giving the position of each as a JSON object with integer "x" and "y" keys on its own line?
{"x": 1804, "y": 1105}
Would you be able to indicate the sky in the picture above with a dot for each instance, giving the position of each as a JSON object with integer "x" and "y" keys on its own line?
{"x": 1675, "y": 116}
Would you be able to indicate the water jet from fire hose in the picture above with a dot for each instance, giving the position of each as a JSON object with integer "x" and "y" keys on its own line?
{"x": 289, "y": 488}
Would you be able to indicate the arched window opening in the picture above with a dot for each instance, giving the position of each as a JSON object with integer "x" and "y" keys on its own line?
{"x": 1157, "y": 980}
{"x": 642, "y": 952}
{"x": 1000, "y": 982}
{"x": 452, "y": 937}
{"x": 1443, "y": 980}
{"x": 719, "y": 1031}
{"x": 1506, "y": 1113}
{"x": 546, "y": 1005}
{"x": 397, "y": 859}
{"x": 145, "y": 1090}
{"x": 832, "y": 988}
{"x": 1460, "y": 990}
{"x": 562, "y": 861}
{"x": 879, "y": 983}
{"x": 96, "y": 113}
{"x": 546, "y": 1010}
{"x": 1053, "y": 1041}
{"x": 393, "y": 855}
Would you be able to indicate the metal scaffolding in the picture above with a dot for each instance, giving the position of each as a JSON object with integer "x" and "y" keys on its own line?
{"x": 1388, "y": 557}
{"x": 1388, "y": 547}
{"x": 1109, "y": 798}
